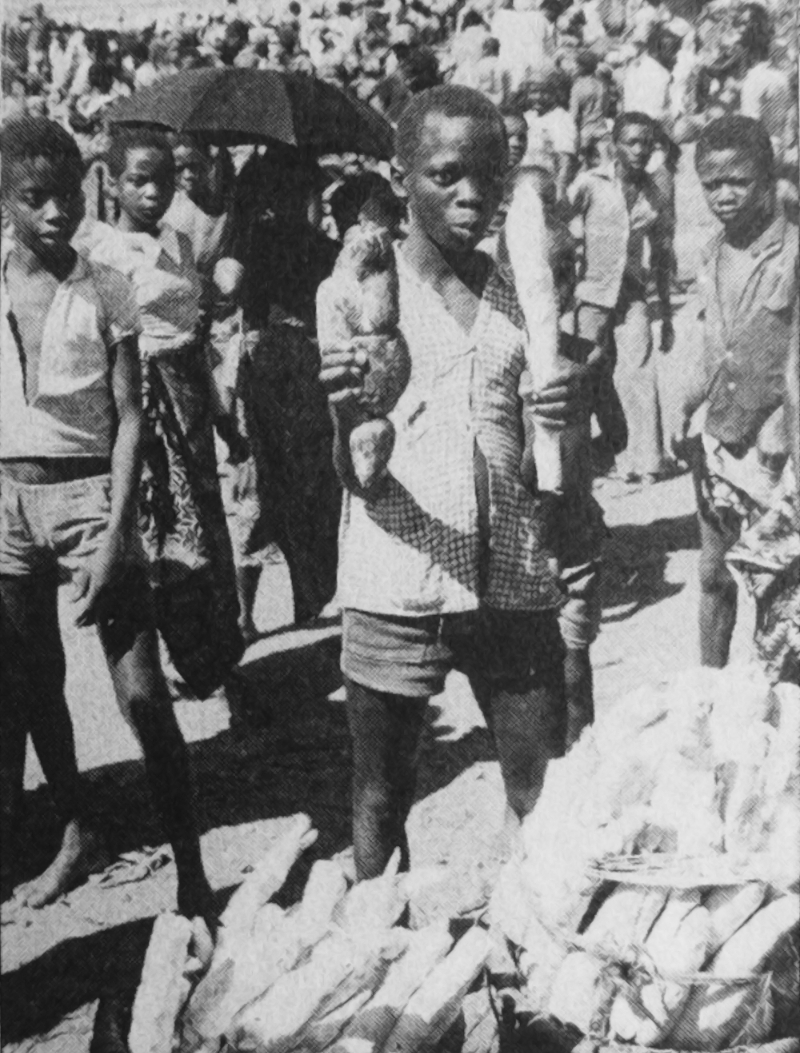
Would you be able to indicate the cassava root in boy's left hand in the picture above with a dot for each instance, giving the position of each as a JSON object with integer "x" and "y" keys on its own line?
{"x": 557, "y": 403}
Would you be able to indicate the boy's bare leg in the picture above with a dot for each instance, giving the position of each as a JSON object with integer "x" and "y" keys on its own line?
{"x": 247, "y": 579}
{"x": 718, "y": 597}
{"x": 13, "y": 735}
{"x": 144, "y": 702}
{"x": 385, "y": 731}
{"x": 33, "y": 685}
{"x": 579, "y": 692}
{"x": 529, "y": 729}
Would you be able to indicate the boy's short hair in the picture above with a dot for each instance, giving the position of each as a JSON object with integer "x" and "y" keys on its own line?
{"x": 447, "y": 100}
{"x": 126, "y": 139}
{"x": 27, "y": 137}
{"x": 745, "y": 135}
{"x": 625, "y": 120}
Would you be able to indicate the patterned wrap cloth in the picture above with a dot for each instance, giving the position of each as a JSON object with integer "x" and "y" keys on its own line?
{"x": 183, "y": 522}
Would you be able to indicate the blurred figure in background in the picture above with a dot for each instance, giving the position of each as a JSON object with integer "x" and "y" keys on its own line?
{"x": 627, "y": 231}
{"x": 284, "y": 257}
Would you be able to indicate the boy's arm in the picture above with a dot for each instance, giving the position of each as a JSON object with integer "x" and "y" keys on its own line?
{"x": 116, "y": 546}
{"x": 662, "y": 255}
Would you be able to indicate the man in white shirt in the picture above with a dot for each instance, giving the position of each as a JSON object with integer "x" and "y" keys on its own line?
{"x": 527, "y": 41}
{"x": 648, "y": 83}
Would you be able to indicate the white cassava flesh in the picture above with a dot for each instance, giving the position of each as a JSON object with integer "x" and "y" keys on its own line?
{"x": 623, "y": 922}
{"x": 716, "y": 1013}
{"x": 266, "y": 878}
{"x": 371, "y": 447}
{"x": 374, "y": 905}
{"x": 729, "y": 908}
{"x": 677, "y": 949}
{"x": 163, "y": 988}
{"x": 326, "y": 1029}
{"x": 371, "y": 1026}
{"x": 273, "y": 1023}
{"x": 577, "y": 992}
{"x": 435, "y": 1005}
{"x": 269, "y": 942}
{"x": 239, "y": 975}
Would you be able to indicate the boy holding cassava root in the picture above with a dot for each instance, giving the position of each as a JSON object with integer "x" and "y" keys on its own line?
{"x": 442, "y": 562}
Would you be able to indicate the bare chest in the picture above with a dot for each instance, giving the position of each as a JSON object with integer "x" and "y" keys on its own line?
{"x": 30, "y": 300}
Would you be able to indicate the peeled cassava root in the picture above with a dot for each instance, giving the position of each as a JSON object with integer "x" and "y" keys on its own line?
{"x": 361, "y": 299}
{"x": 335, "y": 972}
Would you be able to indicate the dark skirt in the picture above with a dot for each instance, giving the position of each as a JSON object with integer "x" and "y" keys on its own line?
{"x": 183, "y": 523}
{"x": 291, "y": 433}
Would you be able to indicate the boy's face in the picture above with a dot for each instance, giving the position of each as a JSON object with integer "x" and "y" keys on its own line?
{"x": 737, "y": 188}
{"x": 517, "y": 135}
{"x": 45, "y": 203}
{"x": 539, "y": 98}
{"x": 635, "y": 147}
{"x": 455, "y": 179}
{"x": 190, "y": 168}
{"x": 146, "y": 187}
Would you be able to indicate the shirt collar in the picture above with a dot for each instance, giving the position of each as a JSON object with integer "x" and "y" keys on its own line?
{"x": 79, "y": 271}
{"x": 772, "y": 238}
{"x": 167, "y": 242}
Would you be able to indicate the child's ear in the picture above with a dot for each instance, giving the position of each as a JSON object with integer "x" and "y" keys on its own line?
{"x": 398, "y": 178}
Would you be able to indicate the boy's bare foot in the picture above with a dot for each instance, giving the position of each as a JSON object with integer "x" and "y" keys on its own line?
{"x": 82, "y": 853}
{"x": 196, "y": 900}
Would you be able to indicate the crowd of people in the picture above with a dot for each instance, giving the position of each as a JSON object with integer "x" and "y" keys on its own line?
{"x": 171, "y": 407}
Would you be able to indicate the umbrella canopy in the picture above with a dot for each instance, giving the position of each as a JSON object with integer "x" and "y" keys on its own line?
{"x": 230, "y": 106}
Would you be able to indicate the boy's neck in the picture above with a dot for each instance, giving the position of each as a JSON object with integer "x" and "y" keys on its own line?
{"x": 30, "y": 263}
{"x": 435, "y": 266}
{"x": 130, "y": 226}
{"x": 749, "y": 231}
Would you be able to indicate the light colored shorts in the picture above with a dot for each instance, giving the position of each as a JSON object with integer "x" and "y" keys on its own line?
{"x": 53, "y": 526}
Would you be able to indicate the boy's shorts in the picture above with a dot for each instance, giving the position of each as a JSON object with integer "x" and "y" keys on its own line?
{"x": 498, "y": 650}
{"x": 56, "y": 528}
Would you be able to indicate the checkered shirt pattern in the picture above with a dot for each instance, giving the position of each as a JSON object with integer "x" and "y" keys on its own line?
{"x": 421, "y": 546}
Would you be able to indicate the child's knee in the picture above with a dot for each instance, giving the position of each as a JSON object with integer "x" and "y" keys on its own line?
{"x": 715, "y": 577}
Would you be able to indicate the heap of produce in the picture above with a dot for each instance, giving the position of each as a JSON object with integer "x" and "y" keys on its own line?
{"x": 334, "y": 972}
{"x": 360, "y": 299}
{"x": 656, "y": 900}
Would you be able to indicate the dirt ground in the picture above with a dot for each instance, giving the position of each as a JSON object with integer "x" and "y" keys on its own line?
{"x": 294, "y": 756}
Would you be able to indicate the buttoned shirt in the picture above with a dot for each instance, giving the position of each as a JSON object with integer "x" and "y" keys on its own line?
{"x": 72, "y": 412}
{"x": 619, "y": 239}
{"x": 416, "y": 548}
{"x": 164, "y": 275}
{"x": 743, "y": 366}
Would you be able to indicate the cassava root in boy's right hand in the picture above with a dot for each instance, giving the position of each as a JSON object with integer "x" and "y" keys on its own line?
{"x": 557, "y": 403}
{"x": 345, "y": 367}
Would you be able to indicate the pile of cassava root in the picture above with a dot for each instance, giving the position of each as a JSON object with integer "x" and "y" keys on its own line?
{"x": 334, "y": 972}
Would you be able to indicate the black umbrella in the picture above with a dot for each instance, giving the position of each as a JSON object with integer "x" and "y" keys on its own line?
{"x": 230, "y": 106}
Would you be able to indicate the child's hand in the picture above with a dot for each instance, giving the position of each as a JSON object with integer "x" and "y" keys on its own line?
{"x": 682, "y": 446}
{"x": 557, "y": 403}
{"x": 344, "y": 368}
{"x": 93, "y": 595}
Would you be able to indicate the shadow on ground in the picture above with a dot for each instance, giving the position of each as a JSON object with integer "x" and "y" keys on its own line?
{"x": 296, "y": 758}
{"x": 635, "y": 564}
